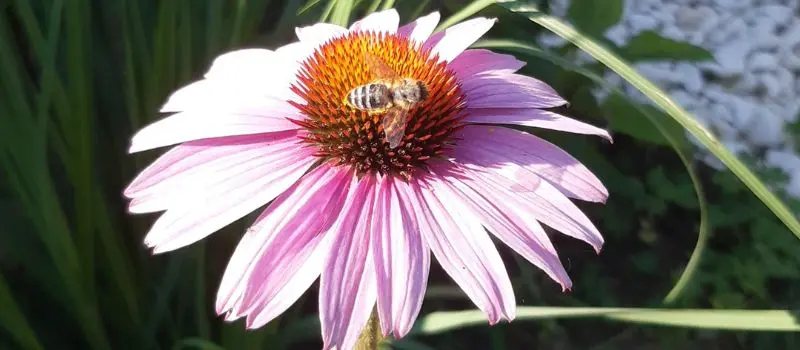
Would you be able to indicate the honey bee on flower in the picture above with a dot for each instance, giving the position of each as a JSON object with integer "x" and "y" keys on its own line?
{"x": 390, "y": 95}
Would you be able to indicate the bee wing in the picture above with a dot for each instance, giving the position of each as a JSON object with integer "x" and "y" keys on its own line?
{"x": 378, "y": 67}
{"x": 394, "y": 125}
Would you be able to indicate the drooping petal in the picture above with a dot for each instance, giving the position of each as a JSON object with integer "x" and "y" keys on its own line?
{"x": 319, "y": 33}
{"x": 533, "y": 117}
{"x": 454, "y": 40}
{"x": 348, "y": 288}
{"x": 477, "y": 61}
{"x": 509, "y": 91}
{"x": 381, "y": 21}
{"x": 225, "y": 198}
{"x": 292, "y": 258}
{"x": 206, "y": 124}
{"x": 463, "y": 249}
{"x": 401, "y": 259}
{"x": 285, "y": 242}
{"x": 496, "y": 147}
{"x": 509, "y": 222}
{"x": 538, "y": 197}
{"x": 420, "y": 30}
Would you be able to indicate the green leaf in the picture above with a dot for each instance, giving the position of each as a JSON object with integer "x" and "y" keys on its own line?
{"x": 661, "y": 99}
{"x": 670, "y": 190}
{"x": 748, "y": 320}
{"x": 649, "y": 45}
{"x": 628, "y": 119}
{"x": 596, "y": 16}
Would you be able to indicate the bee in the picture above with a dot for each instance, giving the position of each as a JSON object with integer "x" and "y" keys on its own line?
{"x": 388, "y": 94}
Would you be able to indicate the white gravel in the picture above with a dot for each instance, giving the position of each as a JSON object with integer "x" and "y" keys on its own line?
{"x": 752, "y": 90}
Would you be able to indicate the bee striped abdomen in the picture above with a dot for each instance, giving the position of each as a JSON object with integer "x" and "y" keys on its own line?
{"x": 369, "y": 96}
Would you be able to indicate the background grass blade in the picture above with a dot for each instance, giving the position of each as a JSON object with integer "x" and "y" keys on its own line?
{"x": 36, "y": 190}
{"x": 387, "y": 4}
{"x": 197, "y": 343}
{"x": 373, "y": 6}
{"x": 661, "y": 99}
{"x": 751, "y": 320}
{"x": 341, "y": 12}
{"x": 14, "y": 322}
{"x": 464, "y": 13}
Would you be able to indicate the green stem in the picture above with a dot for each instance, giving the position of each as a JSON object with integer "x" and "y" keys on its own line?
{"x": 371, "y": 336}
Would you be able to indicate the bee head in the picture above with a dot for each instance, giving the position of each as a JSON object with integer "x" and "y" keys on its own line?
{"x": 410, "y": 92}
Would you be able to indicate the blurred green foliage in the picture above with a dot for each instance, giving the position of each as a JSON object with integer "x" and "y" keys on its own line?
{"x": 77, "y": 78}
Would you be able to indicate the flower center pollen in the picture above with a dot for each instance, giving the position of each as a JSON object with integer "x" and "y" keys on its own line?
{"x": 350, "y": 136}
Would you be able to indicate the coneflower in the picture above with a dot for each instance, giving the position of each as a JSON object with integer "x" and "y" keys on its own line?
{"x": 346, "y": 208}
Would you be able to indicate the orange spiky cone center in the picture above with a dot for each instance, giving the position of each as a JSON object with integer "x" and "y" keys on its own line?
{"x": 349, "y": 136}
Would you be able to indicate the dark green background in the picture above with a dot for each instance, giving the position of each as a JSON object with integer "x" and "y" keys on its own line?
{"x": 78, "y": 77}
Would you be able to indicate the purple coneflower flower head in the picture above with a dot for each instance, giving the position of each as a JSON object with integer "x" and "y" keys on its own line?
{"x": 348, "y": 208}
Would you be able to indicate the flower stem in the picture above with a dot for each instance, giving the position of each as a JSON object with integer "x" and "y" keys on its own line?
{"x": 371, "y": 336}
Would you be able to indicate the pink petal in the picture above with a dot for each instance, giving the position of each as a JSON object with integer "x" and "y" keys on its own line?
{"x": 225, "y": 197}
{"x": 546, "y": 203}
{"x": 509, "y": 91}
{"x": 497, "y": 147}
{"x": 271, "y": 275}
{"x": 189, "y": 167}
{"x": 477, "y": 61}
{"x": 252, "y": 68}
{"x": 238, "y": 62}
{"x": 303, "y": 220}
{"x": 504, "y": 217}
{"x": 401, "y": 259}
{"x": 420, "y": 30}
{"x": 319, "y": 33}
{"x": 454, "y": 40}
{"x": 206, "y": 124}
{"x": 231, "y": 95}
{"x": 463, "y": 249}
{"x": 296, "y": 52}
{"x": 533, "y": 117}
{"x": 348, "y": 288}
{"x": 231, "y": 288}
{"x": 381, "y": 21}
{"x": 237, "y": 79}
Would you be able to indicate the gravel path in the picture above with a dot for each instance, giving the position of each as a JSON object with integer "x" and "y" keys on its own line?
{"x": 750, "y": 95}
